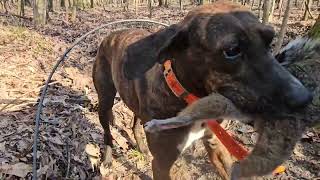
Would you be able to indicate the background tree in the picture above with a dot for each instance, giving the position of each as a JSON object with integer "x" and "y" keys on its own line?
{"x": 283, "y": 27}
{"x": 40, "y": 12}
{"x": 273, "y": 3}
{"x": 50, "y": 5}
{"x": 150, "y": 8}
{"x": 266, "y": 11}
{"x": 21, "y": 4}
{"x": 307, "y": 12}
{"x": 74, "y": 10}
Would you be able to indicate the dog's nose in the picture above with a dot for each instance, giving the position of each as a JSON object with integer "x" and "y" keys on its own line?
{"x": 298, "y": 96}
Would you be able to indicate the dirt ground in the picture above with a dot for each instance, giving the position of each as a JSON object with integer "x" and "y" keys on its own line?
{"x": 70, "y": 133}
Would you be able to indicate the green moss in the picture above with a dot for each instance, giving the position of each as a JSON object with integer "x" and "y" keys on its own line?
{"x": 137, "y": 154}
{"x": 315, "y": 31}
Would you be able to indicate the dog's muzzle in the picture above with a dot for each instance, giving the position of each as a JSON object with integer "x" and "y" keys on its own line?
{"x": 297, "y": 96}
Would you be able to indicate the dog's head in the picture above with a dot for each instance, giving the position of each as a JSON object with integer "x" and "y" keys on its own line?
{"x": 223, "y": 48}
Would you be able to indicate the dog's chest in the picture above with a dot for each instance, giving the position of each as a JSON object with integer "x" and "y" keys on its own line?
{"x": 196, "y": 132}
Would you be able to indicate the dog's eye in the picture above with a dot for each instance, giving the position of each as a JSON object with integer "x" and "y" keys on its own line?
{"x": 232, "y": 53}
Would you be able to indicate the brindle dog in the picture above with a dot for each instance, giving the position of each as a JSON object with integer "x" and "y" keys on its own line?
{"x": 219, "y": 47}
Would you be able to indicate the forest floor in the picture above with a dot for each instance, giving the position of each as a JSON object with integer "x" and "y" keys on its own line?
{"x": 70, "y": 134}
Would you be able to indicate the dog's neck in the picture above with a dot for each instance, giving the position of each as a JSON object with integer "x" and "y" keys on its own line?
{"x": 185, "y": 74}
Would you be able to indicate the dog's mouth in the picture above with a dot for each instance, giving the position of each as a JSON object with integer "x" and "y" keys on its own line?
{"x": 279, "y": 130}
{"x": 248, "y": 101}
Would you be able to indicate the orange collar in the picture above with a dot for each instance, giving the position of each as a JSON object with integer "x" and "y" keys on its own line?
{"x": 231, "y": 145}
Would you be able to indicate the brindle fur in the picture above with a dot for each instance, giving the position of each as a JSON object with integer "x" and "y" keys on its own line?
{"x": 126, "y": 63}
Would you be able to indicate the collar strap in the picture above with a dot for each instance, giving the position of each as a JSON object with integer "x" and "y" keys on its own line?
{"x": 175, "y": 85}
{"x": 231, "y": 145}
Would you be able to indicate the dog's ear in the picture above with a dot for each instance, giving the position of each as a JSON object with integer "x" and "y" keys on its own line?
{"x": 143, "y": 54}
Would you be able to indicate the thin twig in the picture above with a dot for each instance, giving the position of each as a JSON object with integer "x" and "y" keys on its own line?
{"x": 62, "y": 58}
{"x": 15, "y": 15}
{"x": 68, "y": 159}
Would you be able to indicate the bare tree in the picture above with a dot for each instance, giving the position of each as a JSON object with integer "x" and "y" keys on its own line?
{"x": 74, "y": 11}
{"x": 266, "y": 11}
{"x": 150, "y": 8}
{"x": 40, "y": 12}
{"x": 307, "y": 12}
{"x": 50, "y": 5}
{"x": 252, "y": 4}
{"x": 283, "y": 27}
{"x": 273, "y": 3}
{"x": 21, "y": 7}
{"x": 280, "y": 8}
{"x": 136, "y": 6}
{"x": 259, "y": 9}
{"x": 62, "y": 3}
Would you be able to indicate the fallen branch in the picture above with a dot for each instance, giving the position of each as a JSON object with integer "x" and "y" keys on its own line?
{"x": 15, "y": 15}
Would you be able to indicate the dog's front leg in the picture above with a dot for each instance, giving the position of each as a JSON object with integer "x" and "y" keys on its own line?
{"x": 214, "y": 106}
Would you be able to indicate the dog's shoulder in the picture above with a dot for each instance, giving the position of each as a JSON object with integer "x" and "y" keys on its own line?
{"x": 124, "y": 37}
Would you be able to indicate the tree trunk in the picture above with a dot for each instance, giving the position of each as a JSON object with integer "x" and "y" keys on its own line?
{"x": 283, "y": 27}
{"x": 150, "y": 8}
{"x": 40, "y": 12}
{"x": 181, "y": 5}
{"x": 280, "y": 8}
{"x": 252, "y": 4}
{"x": 160, "y": 3}
{"x": 21, "y": 7}
{"x": 136, "y": 6}
{"x": 50, "y": 5}
{"x": 67, "y": 6}
{"x": 266, "y": 11}
{"x": 307, "y": 10}
{"x": 74, "y": 11}
{"x": 91, "y": 3}
{"x": 259, "y": 9}
{"x": 273, "y": 3}
{"x": 62, "y": 3}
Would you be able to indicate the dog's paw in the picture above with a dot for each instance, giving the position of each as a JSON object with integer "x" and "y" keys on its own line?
{"x": 152, "y": 126}
{"x": 107, "y": 157}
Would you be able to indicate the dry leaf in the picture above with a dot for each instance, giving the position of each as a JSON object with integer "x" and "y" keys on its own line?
{"x": 18, "y": 169}
{"x": 93, "y": 152}
{"x": 279, "y": 170}
{"x": 121, "y": 141}
{"x": 44, "y": 169}
{"x": 2, "y": 147}
{"x": 56, "y": 140}
{"x": 297, "y": 152}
